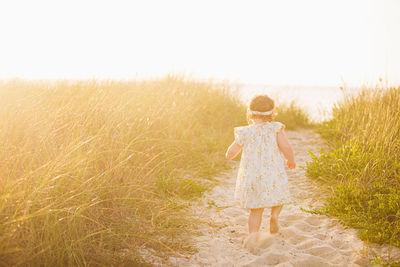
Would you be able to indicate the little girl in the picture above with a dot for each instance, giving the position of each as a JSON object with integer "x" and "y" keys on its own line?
{"x": 262, "y": 180}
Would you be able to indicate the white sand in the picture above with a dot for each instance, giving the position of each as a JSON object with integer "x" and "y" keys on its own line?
{"x": 304, "y": 239}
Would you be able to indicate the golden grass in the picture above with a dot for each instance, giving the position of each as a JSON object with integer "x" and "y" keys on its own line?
{"x": 91, "y": 171}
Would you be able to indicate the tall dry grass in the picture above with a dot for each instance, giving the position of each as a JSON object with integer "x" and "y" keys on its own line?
{"x": 92, "y": 171}
{"x": 364, "y": 163}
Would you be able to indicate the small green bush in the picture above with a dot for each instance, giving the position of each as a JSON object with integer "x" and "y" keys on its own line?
{"x": 363, "y": 164}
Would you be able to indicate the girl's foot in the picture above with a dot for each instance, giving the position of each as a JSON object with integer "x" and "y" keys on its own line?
{"x": 273, "y": 227}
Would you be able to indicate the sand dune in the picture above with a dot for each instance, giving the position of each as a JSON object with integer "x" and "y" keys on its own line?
{"x": 304, "y": 239}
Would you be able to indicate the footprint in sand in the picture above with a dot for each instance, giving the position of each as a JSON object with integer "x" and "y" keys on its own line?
{"x": 305, "y": 227}
{"x": 292, "y": 218}
{"x": 233, "y": 212}
{"x": 315, "y": 220}
{"x": 322, "y": 251}
{"x": 311, "y": 261}
{"x": 307, "y": 244}
{"x": 259, "y": 240}
{"x": 321, "y": 236}
{"x": 270, "y": 259}
{"x": 293, "y": 237}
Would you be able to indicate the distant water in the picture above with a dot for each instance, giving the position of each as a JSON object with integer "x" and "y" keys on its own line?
{"x": 317, "y": 101}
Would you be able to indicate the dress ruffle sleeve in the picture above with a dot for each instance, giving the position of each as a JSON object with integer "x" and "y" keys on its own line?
{"x": 278, "y": 126}
{"x": 240, "y": 136}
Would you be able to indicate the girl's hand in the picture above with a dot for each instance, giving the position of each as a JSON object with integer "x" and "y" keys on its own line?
{"x": 291, "y": 164}
{"x": 233, "y": 150}
{"x": 286, "y": 149}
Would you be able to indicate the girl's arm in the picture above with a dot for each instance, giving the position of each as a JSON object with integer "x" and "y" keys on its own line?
{"x": 286, "y": 149}
{"x": 233, "y": 150}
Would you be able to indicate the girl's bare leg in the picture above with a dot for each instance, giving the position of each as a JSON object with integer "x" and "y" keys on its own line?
{"x": 274, "y": 227}
{"x": 255, "y": 218}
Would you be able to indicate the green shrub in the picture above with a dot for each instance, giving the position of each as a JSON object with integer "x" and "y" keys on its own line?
{"x": 363, "y": 164}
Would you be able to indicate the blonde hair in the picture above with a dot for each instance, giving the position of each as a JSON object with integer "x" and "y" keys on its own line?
{"x": 261, "y": 103}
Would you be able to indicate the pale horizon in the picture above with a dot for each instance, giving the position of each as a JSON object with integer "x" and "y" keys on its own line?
{"x": 304, "y": 43}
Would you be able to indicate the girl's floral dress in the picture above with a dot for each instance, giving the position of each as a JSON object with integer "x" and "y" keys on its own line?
{"x": 262, "y": 181}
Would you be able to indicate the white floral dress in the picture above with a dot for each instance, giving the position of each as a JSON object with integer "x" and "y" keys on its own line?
{"x": 262, "y": 181}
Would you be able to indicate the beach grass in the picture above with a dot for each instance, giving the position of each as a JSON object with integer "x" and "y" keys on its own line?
{"x": 363, "y": 163}
{"x": 95, "y": 171}
{"x": 293, "y": 116}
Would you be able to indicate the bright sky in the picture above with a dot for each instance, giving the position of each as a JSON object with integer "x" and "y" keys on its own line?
{"x": 308, "y": 42}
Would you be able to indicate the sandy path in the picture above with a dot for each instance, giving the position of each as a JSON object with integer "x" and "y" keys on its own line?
{"x": 304, "y": 239}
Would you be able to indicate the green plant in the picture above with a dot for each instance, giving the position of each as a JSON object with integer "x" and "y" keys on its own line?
{"x": 363, "y": 164}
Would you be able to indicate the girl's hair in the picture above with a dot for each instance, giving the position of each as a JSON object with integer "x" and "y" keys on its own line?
{"x": 261, "y": 103}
